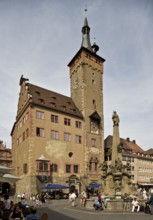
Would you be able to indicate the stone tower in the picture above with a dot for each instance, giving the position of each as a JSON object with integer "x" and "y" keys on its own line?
{"x": 86, "y": 79}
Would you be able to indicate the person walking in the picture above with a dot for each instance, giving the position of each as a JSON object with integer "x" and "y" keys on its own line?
{"x": 83, "y": 198}
{"x": 73, "y": 198}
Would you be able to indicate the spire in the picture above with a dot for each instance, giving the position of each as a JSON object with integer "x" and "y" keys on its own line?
{"x": 86, "y": 35}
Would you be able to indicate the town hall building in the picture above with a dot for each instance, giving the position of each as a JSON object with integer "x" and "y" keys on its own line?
{"x": 60, "y": 139}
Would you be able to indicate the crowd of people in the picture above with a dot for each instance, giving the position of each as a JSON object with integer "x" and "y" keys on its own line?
{"x": 141, "y": 202}
{"x": 11, "y": 211}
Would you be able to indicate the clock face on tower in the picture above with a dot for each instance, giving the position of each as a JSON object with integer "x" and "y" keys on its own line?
{"x": 94, "y": 127}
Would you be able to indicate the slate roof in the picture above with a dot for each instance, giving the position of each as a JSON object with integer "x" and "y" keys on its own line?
{"x": 131, "y": 144}
{"x": 150, "y": 151}
{"x": 52, "y": 100}
{"x": 127, "y": 144}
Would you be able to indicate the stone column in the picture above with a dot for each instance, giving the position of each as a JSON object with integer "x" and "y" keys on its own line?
{"x": 116, "y": 154}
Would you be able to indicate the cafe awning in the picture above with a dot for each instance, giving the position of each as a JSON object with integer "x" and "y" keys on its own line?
{"x": 94, "y": 185}
{"x": 55, "y": 186}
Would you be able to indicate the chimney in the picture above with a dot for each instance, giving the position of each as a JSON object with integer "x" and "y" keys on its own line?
{"x": 134, "y": 141}
{"x": 128, "y": 139}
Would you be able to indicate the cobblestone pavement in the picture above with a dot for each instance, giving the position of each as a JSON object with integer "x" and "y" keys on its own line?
{"x": 62, "y": 210}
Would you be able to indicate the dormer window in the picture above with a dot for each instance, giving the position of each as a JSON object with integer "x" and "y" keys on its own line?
{"x": 53, "y": 97}
{"x": 41, "y": 101}
{"x": 37, "y": 92}
{"x": 53, "y": 104}
{"x": 73, "y": 109}
{"x": 64, "y": 107}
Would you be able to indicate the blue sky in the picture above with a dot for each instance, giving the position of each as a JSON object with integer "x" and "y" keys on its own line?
{"x": 38, "y": 38}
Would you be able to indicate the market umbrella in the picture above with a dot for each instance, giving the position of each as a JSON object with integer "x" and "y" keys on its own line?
{"x": 94, "y": 185}
{"x": 55, "y": 186}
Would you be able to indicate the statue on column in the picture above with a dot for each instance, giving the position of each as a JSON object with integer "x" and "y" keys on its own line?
{"x": 115, "y": 119}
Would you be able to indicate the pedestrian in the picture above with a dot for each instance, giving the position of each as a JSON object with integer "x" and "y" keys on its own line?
{"x": 144, "y": 194}
{"x": 73, "y": 198}
{"x": 83, "y": 198}
{"x": 99, "y": 203}
{"x": 125, "y": 202}
{"x": 42, "y": 197}
{"x": 100, "y": 200}
{"x": 135, "y": 204}
{"x": 151, "y": 204}
{"x": 33, "y": 214}
{"x": 16, "y": 213}
{"x": 7, "y": 203}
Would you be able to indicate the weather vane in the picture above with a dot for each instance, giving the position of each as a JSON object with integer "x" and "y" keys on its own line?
{"x": 85, "y": 8}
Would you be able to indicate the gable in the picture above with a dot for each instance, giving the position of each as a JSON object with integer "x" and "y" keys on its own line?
{"x": 95, "y": 116}
{"x": 23, "y": 96}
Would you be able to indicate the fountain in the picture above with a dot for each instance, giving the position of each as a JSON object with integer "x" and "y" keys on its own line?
{"x": 117, "y": 176}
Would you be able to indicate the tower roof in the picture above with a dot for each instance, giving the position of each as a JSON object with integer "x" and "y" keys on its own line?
{"x": 86, "y": 22}
{"x": 86, "y": 35}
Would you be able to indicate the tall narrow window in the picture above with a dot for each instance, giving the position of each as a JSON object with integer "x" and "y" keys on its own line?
{"x": 27, "y": 133}
{"x": 93, "y": 142}
{"x": 68, "y": 168}
{"x": 23, "y": 136}
{"x": 76, "y": 169}
{"x": 53, "y": 168}
{"x": 42, "y": 166}
{"x": 67, "y": 137}
{"x": 25, "y": 168}
{"x": 40, "y": 132}
{"x": 78, "y": 124}
{"x": 40, "y": 115}
{"x": 54, "y": 135}
{"x": 54, "y": 118}
{"x": 78, "y": 139}
{"x": 94, "y": 103}
{"x": 67, "y": 121}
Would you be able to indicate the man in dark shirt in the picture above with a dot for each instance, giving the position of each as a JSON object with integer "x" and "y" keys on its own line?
{"x": 125, "y": 202}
